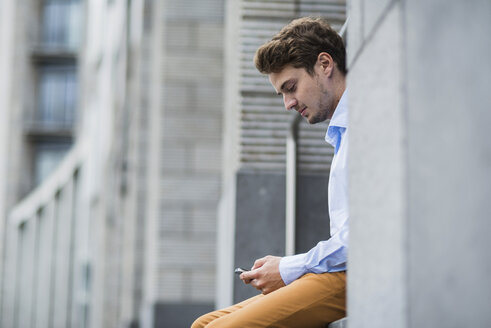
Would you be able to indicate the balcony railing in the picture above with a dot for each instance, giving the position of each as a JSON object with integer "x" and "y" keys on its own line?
{"x": 45, "y": 280}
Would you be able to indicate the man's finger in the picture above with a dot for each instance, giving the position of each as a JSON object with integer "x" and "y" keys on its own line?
{"x": 258, "y": 263}
{"x": 248, "y": 276}
{"x": 247, "y": 281}
{"x": 255, "y": 284}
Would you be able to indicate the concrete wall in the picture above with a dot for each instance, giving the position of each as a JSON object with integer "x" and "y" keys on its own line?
{"x": 449, "y": 167}
{"x": 376, "y": 287}
{"x": 260, "y": 218}
{"x": 419, "y": 164}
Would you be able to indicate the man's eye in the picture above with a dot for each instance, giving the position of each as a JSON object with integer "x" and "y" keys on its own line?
{"x": 291, "y": 89}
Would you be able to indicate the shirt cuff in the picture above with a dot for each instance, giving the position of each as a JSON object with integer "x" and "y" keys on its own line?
{"x": 292, "y": 267}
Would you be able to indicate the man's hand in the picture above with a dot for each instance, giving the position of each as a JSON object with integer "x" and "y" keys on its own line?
{"x": 264, "y": 275}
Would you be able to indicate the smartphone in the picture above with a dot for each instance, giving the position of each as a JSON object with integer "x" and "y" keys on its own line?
{"x": 240, "y": 270}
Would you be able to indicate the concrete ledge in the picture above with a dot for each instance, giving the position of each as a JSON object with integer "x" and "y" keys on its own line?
{"x": 341, "y": 323}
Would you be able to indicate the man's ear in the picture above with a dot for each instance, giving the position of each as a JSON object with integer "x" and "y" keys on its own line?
{"x": 326, "y": 63}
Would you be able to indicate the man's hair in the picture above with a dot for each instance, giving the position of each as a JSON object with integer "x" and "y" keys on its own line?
{"x": 298, "y": 44}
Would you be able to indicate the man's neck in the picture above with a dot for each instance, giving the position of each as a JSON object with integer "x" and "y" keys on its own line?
{"x": 339, "y": 90}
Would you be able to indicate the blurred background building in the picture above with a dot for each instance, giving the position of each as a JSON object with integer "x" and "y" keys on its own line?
{"x": 124, "y": 121}
{"x": 142, "y": 158}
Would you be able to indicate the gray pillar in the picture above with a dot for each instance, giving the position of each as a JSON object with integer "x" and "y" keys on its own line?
{"x": 449, "y": 163}
{"x": 420, "y": 168}
{"x": 376, "y": 268}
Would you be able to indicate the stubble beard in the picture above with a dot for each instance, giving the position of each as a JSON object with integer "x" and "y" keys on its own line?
{"x": 324, "y": 111}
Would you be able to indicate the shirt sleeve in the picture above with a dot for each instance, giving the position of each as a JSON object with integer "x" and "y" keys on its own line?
{"x": 327, "y": 256}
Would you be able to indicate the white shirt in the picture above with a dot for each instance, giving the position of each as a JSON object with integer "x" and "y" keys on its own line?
{"x": 329, "y": 255}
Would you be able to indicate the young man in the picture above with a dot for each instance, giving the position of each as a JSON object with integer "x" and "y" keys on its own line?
{"x": 305, "y": 63}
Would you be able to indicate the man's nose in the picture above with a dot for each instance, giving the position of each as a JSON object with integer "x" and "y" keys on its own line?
{"x": 290, "y": 102}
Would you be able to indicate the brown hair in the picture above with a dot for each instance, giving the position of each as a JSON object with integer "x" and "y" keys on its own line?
{"x": 298, "y": 44}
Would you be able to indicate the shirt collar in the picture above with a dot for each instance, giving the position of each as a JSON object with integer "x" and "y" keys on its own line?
{"x": 340, "y": 116}
{"x": 339, "y": 120}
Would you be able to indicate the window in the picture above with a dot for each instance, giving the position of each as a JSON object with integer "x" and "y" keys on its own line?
{"x": 52, "y": 118}
{"x": 57, "y": 96}
{"x": 61, "y": 24}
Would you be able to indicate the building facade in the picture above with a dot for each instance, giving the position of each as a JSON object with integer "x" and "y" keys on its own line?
{"x": 122, "y": 233}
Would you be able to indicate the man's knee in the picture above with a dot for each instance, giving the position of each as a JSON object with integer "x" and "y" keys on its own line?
{"x": 201, "y": 322}
{"x": 225, "y": 321}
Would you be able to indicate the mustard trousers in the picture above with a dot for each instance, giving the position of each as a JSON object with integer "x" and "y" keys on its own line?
{"x": 314, "y": 300}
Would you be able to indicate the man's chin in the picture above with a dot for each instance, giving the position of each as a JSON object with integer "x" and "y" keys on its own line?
{"x": 314, "y": 119}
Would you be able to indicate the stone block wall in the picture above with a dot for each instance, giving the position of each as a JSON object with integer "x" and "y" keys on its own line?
{"x": 190, "y": 150}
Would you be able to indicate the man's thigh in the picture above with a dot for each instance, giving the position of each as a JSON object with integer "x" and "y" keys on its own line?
{"x": 311, "y": 301}
{"x": 205, "y": 319}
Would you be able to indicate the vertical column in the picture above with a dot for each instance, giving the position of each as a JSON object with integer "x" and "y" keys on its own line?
{"x": 10, "y": 278}
{"x": 449, "y": 162}
{"x": 420, "y": 174}
{"x": 61, "y": 253}
{"x": 73, "y": 312}
{"x": 20, "y": 281}
{"x": 133, "y": 203}
{"x": 7, "y": 26}
{"x": 156, "y": 25}
{"x": 27, "y": 270}
{"x": 129, "y": 302}
{"x": 230, "y": 156}
{"x": 377, "y": 181}
{"x": 42, "y": 274}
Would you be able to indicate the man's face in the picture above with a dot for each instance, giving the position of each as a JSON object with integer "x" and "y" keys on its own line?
{"x": 309, "y": 95}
